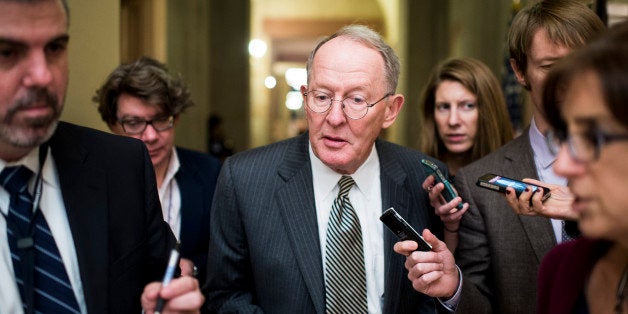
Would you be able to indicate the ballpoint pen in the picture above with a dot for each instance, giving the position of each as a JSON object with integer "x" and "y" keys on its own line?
{"x": 170, "y": 270}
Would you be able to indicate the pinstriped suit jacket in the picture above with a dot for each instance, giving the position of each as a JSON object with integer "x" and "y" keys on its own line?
{"x": 499, "y": 251}
{"x": 264, "y": 253}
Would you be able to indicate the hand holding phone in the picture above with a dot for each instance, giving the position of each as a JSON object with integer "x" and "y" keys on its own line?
{"x": 500, "y": 183}
{"x": 448, "y": 193}
{"x": 402, "y": 229}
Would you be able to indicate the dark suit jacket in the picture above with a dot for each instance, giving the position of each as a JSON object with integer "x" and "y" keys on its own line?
{"x": 196, "y": 178}
{"x": 121, "y": 240}
{"x": 264, "y": 246}
{"x": 499, "y": 251}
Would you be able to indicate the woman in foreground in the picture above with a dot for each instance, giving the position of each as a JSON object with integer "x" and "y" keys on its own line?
{"x": 586, "y": 101}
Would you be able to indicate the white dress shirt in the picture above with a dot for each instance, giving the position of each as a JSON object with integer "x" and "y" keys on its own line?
{"x": 53, "y": 209}
{"x": 544, "y": 159}
{"x": 170, "y": 196}
{"x": 366, "y": 198}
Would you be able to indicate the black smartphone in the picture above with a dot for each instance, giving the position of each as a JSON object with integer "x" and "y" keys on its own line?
{"x": 402, "y": 229}
{"x": 500, "y": 183}
{"x": 448, "y": 193}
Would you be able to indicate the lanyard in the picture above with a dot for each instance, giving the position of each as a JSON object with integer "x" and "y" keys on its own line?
{"x": 25, "y": 244}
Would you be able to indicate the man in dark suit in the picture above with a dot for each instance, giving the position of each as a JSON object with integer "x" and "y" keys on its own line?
{"x": 499, "y": 252}
{"x": 98, "y": 214}
{"x": 275, "y": 206}
{"x": 141, "y": 99}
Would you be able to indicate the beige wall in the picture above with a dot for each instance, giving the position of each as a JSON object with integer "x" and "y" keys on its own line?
{"x": 306, "y": 9}
{"x": 94, "y": 51}
{"x": 478, "y": 30}
{"x": 187, "y": 51}
{"x": 192, "y": 51}
{"x": 395, "y": 33}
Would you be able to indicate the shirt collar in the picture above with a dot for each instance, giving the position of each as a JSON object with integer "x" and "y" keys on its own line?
{"x": 173, "y": 167}
{"x": 325, "y": 179}
{"x": 31, "y": 161}
{"x": 542, "y": 153}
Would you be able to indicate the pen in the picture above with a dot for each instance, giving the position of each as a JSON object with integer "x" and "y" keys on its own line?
{"x": 172, "y": 266}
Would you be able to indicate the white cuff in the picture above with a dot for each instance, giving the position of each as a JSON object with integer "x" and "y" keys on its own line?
{"x": 451, "y": 303}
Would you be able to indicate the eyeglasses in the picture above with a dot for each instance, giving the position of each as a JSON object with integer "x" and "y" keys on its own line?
{"x": 354, "y": 107}
{"x": 582, "y": 147}
{"x": 137, "y": 126}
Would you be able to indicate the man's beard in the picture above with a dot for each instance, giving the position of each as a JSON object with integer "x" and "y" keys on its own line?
{"x": 31, "y": 132}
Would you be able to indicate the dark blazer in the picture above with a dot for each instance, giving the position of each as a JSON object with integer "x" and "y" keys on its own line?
{"x": 499, "y": 251}
{"x": 265, "y": 253}
{"x": 196, "y": 178}
{"x": 121, "y": 240}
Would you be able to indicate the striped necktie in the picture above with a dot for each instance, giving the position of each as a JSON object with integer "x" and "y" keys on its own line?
{"x": 25, "y": 230}
{"x": 345, "y": 277}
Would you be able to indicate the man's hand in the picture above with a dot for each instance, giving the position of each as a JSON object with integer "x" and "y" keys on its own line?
{"x": 557, "y": 206}
{"x": 187, "y": 267}
{"x": 182, "y": 295}
{"x": 433, "y": 273}
{"x": 448, "y": 213}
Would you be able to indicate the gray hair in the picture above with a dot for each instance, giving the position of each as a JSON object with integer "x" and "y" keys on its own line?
{"x": 370, "y": 38}
{"x": 64, "y": 3}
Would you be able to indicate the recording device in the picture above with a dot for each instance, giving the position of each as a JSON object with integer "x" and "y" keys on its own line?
{"x": 402, "y": 229}
{"x": 448, "y": 193}
{"x": 500, "y": 183}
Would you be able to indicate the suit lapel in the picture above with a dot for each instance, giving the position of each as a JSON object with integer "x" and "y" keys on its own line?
{"x": 298, "y": 211}
{"x": 392, "y": 178}
{"x": 538, "y": 230}
{"x": 84, "y": 194}
{"x": 191, "y": 189}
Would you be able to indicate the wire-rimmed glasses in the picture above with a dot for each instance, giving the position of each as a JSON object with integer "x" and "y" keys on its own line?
{"x": 354, "y": 107}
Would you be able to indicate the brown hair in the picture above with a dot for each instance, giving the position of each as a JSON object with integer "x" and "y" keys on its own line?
{"x": 494, "y": 128}
{"x": 147, "y": 79}
{"x": 567, "y": 22}
{"x": 607, "y": 57}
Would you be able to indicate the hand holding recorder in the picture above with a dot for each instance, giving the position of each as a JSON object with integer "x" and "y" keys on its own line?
{"x": 557, "y": 206}
{"x": 433, "y": 273}
{"x": 443, "y": 197}
{"x": 431, "y": 266}
{"x": 448, "y": 193}
{"x": 402, "y": 229}
{"x": 501, "y": 184}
